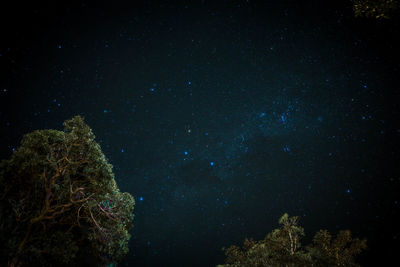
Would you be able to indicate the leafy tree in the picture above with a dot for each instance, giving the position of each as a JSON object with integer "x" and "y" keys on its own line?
{"x": 282, "y": 248}
{"x": 375, "y": 8}
{"x": 60, "y": 204}
{"x": 337, "y": 252}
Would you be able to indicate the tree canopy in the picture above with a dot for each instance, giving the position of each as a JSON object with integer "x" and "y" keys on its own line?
{"x": 282, "y": 248}
{"x": 60, "y": 204}
{"x": 375, "y": 8}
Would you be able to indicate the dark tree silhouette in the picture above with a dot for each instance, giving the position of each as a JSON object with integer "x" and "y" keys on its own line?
{"x": 282, "y": 248}
{"x": 60, "y": 204}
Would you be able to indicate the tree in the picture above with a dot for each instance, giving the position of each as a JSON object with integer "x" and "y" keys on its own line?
{"x": 282, "y": 248}
{"x": 60, "y": 204}
{"x": 375, "y": 8}
{"x": 338, "y": 252}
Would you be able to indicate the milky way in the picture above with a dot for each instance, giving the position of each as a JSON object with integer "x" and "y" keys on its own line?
{"x": 218, "y": 119}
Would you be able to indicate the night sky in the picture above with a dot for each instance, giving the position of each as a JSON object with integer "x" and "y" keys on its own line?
{"x": 218, "y": 116}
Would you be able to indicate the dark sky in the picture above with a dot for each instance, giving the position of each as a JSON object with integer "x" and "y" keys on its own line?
{"x": 218, "y": 116}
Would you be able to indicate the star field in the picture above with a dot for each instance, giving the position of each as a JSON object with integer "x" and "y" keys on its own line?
{"x": 219, "y": 118}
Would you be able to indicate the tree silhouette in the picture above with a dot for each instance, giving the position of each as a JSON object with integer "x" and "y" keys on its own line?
{"x": 282, "y": 248}
{"x": 60, "y": 204}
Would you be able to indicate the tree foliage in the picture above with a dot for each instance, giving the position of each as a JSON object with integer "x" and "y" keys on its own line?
{"x": 60, "y": 204}
{"x": 282, "y": 248}
{"x": 375, "y": 8}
